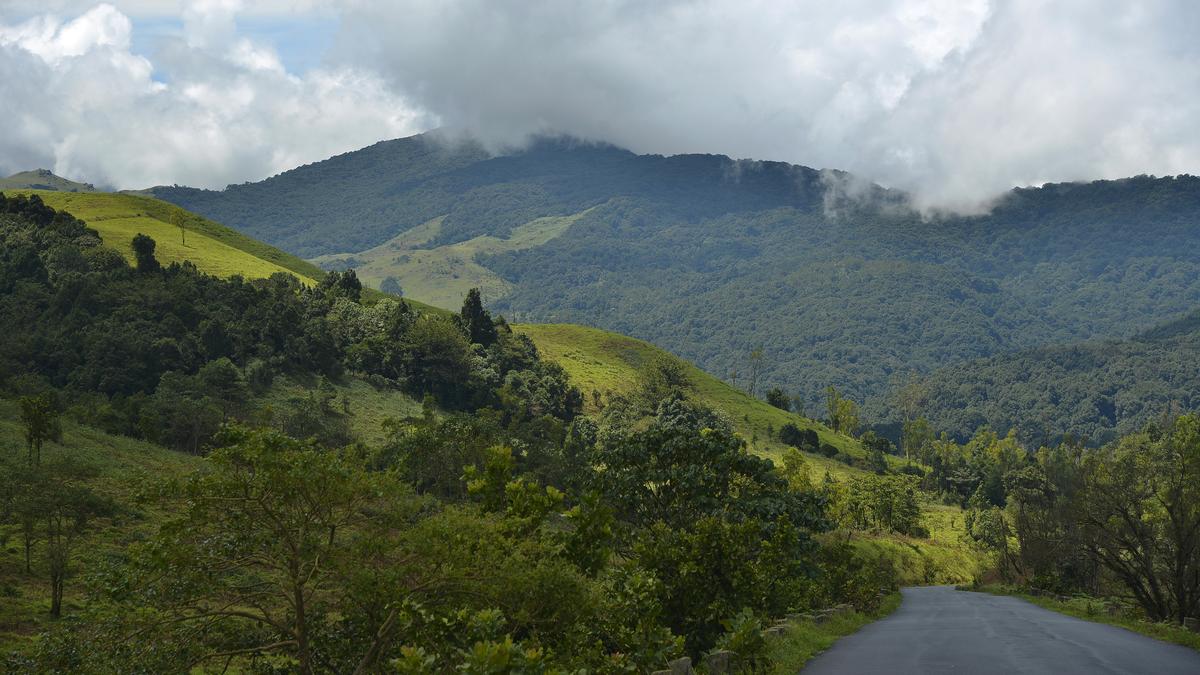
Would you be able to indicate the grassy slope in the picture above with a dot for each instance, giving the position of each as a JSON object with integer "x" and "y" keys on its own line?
{"x": 41, "y": 179}
{"x": 125, "y": 466}
{"x": 369, "y": 406}
{"x": 608, "y": 362}
{"x": 442, "y": 275}
{"x": 212, "y": 247}
{"x": 945, "y": 557}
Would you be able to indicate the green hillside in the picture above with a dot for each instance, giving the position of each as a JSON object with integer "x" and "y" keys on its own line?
{"x": 442, "y": 275}
{"x": 43, "y": 179}
{"x": 606, "y": 362}
{"x": 212, "y": 247}
{"x": 1095, "y": 390}
{"x": 838, "y": 282}
{"x": 123, "y": 466}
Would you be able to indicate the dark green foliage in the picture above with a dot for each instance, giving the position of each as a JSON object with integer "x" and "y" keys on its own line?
{"x": 166, "y": 355}
{"x": 884, "y": 503}
{"x": 795, "y": 437}
{"x": 439, "y": 360}
{"x": 1094, "y": 390}
{"x": 778, "y": 398}
{"x": 39, "y": 417}
{"x": 143, "y": 253}
{"x": 476, "y": 321}
{"x": 391, "y": 286}
{"x": 716, "y": 568}
{"x": 850, "y": 577}
{"x": 53, "y": 507}
{"x": 341, "y": 285}
{"x": 678, "y": 475}
{"x": 1122, "y": 520}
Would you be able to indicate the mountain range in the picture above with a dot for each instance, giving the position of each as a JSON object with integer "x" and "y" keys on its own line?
{"x": 765, "y": 274}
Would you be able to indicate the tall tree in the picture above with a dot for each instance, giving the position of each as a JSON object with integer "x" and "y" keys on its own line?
{"x": 180, "y": 221}
{"x": 39, "y": 416}
{"x": 756, "y": 368}
{"x": 1142, "y": 516}
{"x": 843, "y": 413}
{"x": 477, "y": 321}
{"x": 262, "y": 547}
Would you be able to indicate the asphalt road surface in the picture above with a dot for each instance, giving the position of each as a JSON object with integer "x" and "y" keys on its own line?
{"x": 940, "y": 630}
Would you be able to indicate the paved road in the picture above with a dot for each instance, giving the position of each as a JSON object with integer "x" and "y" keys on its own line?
{"x": 940, "y": 630}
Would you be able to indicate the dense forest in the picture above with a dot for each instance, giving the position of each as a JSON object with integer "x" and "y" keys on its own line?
{"x": 1092, "y": 391}
{"x": 496, "y": 531}
{"x": 829, "y": 280}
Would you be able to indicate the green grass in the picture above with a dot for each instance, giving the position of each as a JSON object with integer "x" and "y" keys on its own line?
{"x": 124, "y": 466}
{"x": 441, "y": 276}
{"x": 805, "y": 639}
{"x": 1092, "y": 609}
{"x": 598, "y": 360}
{"x": 369, "y": 406}
{"x": 41, "y": 179}
{"x": 946, "y": 557}
{"x": 213, "y": 248}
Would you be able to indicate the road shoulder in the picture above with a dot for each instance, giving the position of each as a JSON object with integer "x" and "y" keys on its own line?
{"x": 805, "y": 639}
{"x": 1094, "y": 610}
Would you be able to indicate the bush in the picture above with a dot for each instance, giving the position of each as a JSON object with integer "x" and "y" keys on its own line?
{"x": 849, "y": 576}
{"x": 744, "y": 637}
{"x": 804, "y": 439}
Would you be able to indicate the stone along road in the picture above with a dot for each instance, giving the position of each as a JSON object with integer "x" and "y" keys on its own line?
{"x": 940, "y": 630}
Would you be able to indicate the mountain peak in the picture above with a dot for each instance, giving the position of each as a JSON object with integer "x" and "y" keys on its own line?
{"x": 43, "y": 179}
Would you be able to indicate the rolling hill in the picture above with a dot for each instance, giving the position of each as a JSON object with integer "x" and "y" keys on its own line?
{"x": 213, "y": 248}
{"x": 835, "y": 279}
{"x": 43, "y": 179}
{"x": 608, "y": 363}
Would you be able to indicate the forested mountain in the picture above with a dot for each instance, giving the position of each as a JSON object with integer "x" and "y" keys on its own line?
{"x": 836, "y": 280}
{"x": 1092, "y": 390}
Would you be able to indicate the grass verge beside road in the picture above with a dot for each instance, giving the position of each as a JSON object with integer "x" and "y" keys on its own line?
{"x": 1094, "y": 609}
{"x": 805, "y": 639}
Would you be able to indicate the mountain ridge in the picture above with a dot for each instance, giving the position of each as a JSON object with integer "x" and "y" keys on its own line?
{"x": 713, "y": 258}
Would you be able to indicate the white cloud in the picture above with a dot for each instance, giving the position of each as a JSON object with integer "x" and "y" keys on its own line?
{"x": 164, "y": 8}
{"x": 222, "y": 108}
{"x": 956, "y": 100}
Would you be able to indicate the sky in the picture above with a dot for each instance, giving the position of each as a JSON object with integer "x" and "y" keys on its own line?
{"x": 954, "y": 101}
